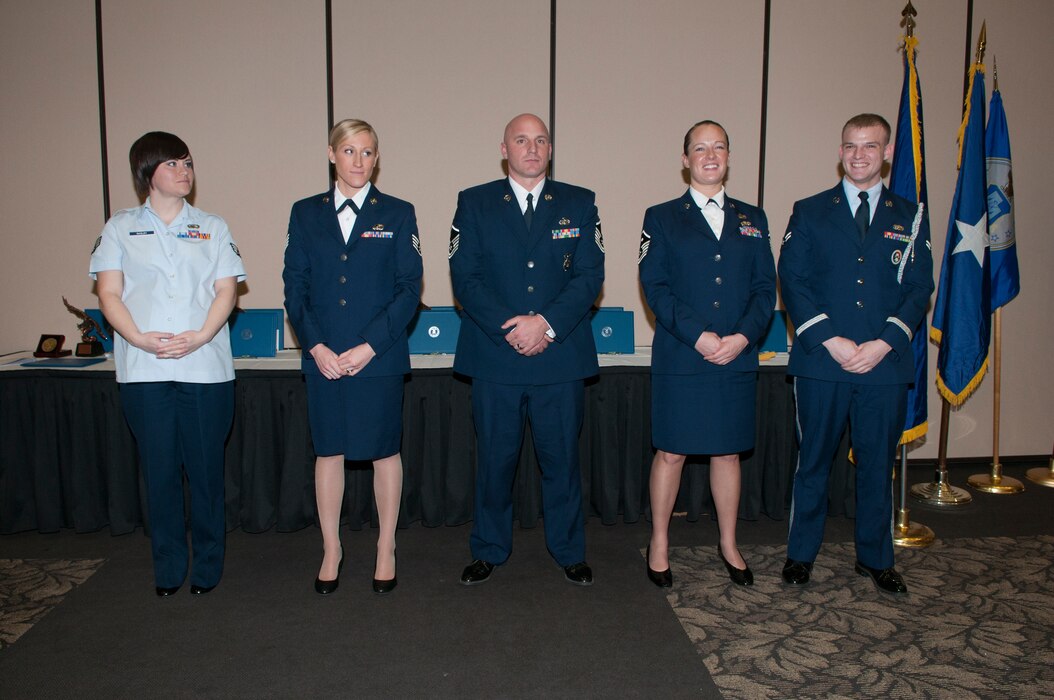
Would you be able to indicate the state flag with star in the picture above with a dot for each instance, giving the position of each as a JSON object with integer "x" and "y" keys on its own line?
{"x": 963, "y": 310}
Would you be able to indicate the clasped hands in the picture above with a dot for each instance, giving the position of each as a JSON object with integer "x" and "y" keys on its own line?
{"x": 720, "y": 350}
{"x": 171, "y": 346}
{"x": 528, "y": 335}
{"x": 346, "y": 364}
{"x": 858, "y": 359}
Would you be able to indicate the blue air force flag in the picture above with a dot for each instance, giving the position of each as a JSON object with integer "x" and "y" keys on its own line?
{"x": 1006, "y": 281}
{"x": 962, "y": 312}
{"x": 907, "y": 178}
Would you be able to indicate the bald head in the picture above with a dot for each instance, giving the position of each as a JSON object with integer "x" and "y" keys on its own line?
{"x": 527, "y": 148}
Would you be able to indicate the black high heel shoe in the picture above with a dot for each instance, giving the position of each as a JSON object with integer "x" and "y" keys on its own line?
{"x": 740, "y": 577}
{"x": 387, "y": 586}
{"x": 662, "y": 579}
{"x": 327, "y": 587}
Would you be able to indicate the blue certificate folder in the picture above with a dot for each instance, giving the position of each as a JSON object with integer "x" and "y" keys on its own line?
{"x": 64, "y": 362}
{"x": 613, "y": 330}
{"x": 257, "y": 332}
{"x": 776, "y": 339}
{"x": 434, "y": 331}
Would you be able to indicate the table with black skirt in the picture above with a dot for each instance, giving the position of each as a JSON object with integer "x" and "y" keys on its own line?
{"x": 68, "y": 460}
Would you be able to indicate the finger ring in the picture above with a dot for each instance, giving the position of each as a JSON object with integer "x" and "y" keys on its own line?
{"x": 348, "y": 370}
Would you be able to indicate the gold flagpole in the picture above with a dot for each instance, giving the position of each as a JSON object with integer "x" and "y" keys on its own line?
{"x": 939, "y": 492}
{"x": 994, "y": 481}
{"x": 1044, "y": 476}
{"x": 905, "y": 532}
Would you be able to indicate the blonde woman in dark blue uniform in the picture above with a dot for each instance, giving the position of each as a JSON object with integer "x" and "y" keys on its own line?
{"x": 708, "y": 275}
{"x": 167, "y": 275}
{"x": 352, "y": 284}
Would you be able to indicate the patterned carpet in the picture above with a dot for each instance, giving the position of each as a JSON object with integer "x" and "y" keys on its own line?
{"x": 29, "y": 588}
{"x": 978, "y": 622}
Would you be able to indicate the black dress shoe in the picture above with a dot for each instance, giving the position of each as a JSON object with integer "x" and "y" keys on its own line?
{"x": 740, "y": 577}
{"x": 579, "y": 574}
{"x": 477, "y": 572}
{"x": 662, "y": 579}
{"x": 381, "y": 587}
{"x": 200, "y": 590}
{"x": 327, "y": 587}
{"x": 796, "y": 573}
{"x": 163, "y": 592}
{"x": 885, "y": 580}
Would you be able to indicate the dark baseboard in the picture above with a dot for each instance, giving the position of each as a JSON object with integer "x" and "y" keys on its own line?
{"x": 985, "y": 462}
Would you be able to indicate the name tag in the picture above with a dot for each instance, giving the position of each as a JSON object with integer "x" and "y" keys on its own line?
{"x": 377, "y": 234}
{"x": 566, "y": 233}
{"x": 140, "y": 233}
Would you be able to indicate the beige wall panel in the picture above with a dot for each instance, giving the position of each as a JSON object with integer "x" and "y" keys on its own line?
{"x": 631, "y": 78}
{"x": 1019, "y": 39}
{"x": 244, "y": 84}
{"x": 438, "y": 81}
{"x": 51, "y": 182}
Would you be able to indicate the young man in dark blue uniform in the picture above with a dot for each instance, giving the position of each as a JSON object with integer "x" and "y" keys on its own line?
{"x": 856, "y": 275}
{"x": 527, "y": 262}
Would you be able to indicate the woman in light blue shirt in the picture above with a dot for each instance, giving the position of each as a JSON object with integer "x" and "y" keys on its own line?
{"x": 167, "y": 277}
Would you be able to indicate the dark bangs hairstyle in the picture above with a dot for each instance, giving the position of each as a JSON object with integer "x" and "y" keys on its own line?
{"x": 149, "y": 151}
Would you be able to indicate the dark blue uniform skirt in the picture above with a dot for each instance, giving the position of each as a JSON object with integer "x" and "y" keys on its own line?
{"x": 359, "y": 417}
{"x": 707, "y": 414}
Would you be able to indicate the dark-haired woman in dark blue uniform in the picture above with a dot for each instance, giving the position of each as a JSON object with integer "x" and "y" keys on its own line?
{"x": 352, "y": 284}
{"x": 708, "y": 275}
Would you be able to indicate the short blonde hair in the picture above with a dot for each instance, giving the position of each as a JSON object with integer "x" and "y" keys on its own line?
{"x": 346, "y": 128}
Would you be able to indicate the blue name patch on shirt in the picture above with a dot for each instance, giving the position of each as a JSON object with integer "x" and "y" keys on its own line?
{"x": 377, "y": 234}
{"x": 140, "y": 233}
{"x": 566, "y": 233}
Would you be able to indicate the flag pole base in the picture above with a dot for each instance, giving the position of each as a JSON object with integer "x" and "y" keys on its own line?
{"x": 1044, "y": 476}
{"x": 995, "y": 482}
{"x": 940, "y": 493}
{"x": 911, "y": 535}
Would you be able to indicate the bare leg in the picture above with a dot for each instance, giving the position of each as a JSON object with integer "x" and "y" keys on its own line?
{"x": 388, "y": 490}
{"x": 664, "y": 484}
{"x": 329, "y": 495}
{"x": 724, "y": 486}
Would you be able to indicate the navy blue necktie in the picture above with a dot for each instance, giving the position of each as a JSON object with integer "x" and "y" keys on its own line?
{"x": 528, "y": 213}
{"x": 863, "y": 216}
{"x": 349, "y": 203}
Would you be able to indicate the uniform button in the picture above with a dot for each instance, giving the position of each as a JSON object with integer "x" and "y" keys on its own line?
{"x": 717, "y": 280}
{"x": 531, "y": 312}
{"x": 342, "y": 302}
{"x": 860, "y": 281}
{"x": 530, "y": 264}
{"x": 717, "y": 305}
{"x": 860, "y": 259}
{"x": 717, "y": 258}
{"x": 530, "y": 288}
{"x": 343, "y": 257}
{"x": 342, "y": 279}
{"x": 859, "y": 304}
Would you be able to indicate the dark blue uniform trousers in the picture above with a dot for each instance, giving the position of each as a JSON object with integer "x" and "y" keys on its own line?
{"x": 181, "y": 428}
{"x": 876, "y": 420}
{"x": 555, "y": 411}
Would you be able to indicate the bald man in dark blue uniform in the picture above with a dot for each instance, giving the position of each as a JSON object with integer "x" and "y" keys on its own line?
{"x": 527, "y": 263}
{"x": 856, "y": 275}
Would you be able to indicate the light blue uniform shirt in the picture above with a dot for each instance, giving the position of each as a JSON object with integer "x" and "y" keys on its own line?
{"x": 169, "y": 273}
